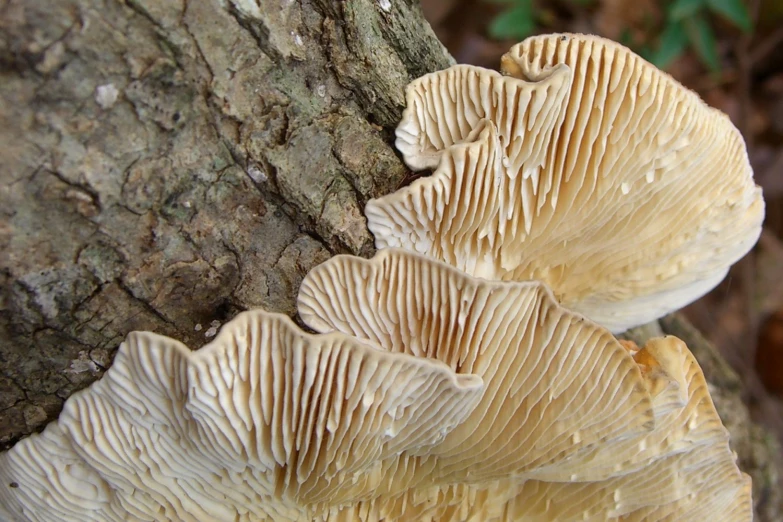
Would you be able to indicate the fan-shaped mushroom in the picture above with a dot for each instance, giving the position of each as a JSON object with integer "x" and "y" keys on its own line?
{"x": 584, "y": 167}
{"x": 557, "y": 417}
{"x": 433, "y": 396}
{"x": 265, "y": 423}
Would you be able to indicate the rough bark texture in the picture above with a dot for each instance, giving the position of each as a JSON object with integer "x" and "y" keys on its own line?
{"x": 168, "y": 163}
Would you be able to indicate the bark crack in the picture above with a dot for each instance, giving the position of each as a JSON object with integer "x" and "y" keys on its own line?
{"x": 147, "y": 306}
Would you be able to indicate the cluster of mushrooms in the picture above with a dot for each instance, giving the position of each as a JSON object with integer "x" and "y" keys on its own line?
{"x": 468, "y": 371}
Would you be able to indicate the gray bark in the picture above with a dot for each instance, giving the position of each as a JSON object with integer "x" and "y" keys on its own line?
{"x": 169, "y": 163}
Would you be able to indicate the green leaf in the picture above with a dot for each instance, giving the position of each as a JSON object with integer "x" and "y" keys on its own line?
{"x": 681, "y": 9}
{"x": 734, "y": 10}
{"x": 672, "y": 45}
{"x": 702, "y": 39}
{"x": 517, "y": 22}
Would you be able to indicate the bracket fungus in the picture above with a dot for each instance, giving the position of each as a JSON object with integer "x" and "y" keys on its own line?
{"x": 429, "y": 395}
{"x": 562, "y": 413}
{"x": 582, "y": 179}
{"x": 265, "y": 423}
{"x": 582, "y": 166}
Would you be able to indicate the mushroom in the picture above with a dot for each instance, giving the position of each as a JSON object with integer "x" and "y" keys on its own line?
{"x": 566, "y": 413}
{"x": 537, "y": 360}
{"x": 429, "y": 395}
{"x": 265, "y": 422}
{"x": 582, "y": 166}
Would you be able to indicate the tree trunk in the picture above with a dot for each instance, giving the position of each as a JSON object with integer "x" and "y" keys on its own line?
{"x": 169, "y": 163}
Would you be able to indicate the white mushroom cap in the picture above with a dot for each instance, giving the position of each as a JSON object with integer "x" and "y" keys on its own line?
{"x": 550, "y": 375}
{"x": 586, "y": 168}
{"x": 450, "y": 399}
{"x": 266, "y": 422}
{"x": 555, "y": 383}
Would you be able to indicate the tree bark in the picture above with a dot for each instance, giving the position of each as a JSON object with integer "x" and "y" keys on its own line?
{"x": 169, "y": 163}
